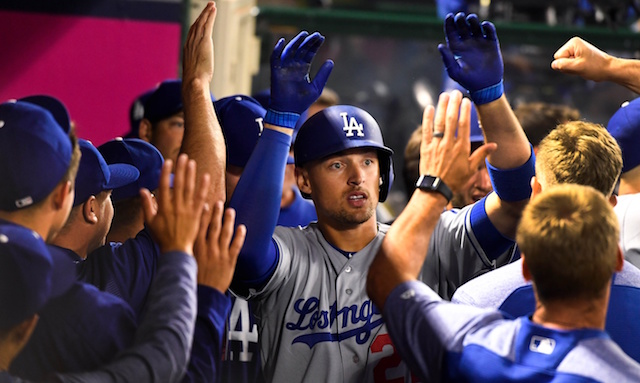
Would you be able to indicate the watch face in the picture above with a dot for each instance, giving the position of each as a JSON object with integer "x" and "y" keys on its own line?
{"x": 431, "y": 183}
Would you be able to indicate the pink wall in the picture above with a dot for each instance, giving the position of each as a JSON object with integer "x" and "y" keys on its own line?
{"x": 96, "y": 66}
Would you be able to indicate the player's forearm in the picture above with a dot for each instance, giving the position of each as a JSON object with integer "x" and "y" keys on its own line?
{"x": 203, "y": 140}
{"x": 625, "y": 72}
{"x": 396, "y": 262}
{"x": 501, "y": 126}
{"x": 256, "y": 200}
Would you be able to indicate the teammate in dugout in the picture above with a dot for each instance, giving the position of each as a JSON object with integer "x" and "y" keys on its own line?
{"x": 316, "y": 321}
{"x": 564, "y": 339}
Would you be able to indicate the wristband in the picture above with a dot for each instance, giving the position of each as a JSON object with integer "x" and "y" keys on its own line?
{"x": 283, "y": 119}
{"x": 488, "y": 94}
{"x": 431, "y": 183}
{"x": 513, "y": 184}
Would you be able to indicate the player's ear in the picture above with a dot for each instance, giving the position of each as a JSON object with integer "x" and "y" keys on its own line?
{"x": 620, "y": 263}
{"x": 302, "y": 179}
{"x": 613, "y": 200}
{"x": 89, "y": 208}
{"x": 144, "y": 131}
{"x": 61, "y": 193}
{"x": 526, "y": 274}
{"x": 536, "y": 187}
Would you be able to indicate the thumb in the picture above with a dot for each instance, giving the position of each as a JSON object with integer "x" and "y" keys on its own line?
{"x": 323, "y": 75}
{"x": 479, "y": 155}
{"x": 562, "y": 64}
{"x": 448, "y": 59}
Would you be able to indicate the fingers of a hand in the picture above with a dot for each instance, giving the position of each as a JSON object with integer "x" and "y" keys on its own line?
{"x": 189, "y": 184}
{"x": 565, "y": 51}
{"x": 202, "y": 20}
{"x": 479, "y": 155}
{"x": 290, "y": 49}
{"x": 464, "y": 124}
{"x": 441, "y": 112}
{"x": 205, "y": 220}
{"x": 277, "y": 52}
{"x": 306, "y": 48}
{"x": 164, "y": 187}
{"x": 238, "y": 242}
{"x": 450, "y": 32}
{"x": 227, "y": 228}
{"x": 323, "y": 75}
{"x": 489, "y": 30}
{"x": 563, "y": 64}
{"x": 453, "y": 112}
{"x": 202, "y": 191}
{"x": 474, "y": 26}
{"x": 216, "y": 224}
{"x": 313, "y": 49}
{"x": 208, "y": 28}
{"x": 427, "y": 126}
{"x": 461, "y": 25}
{"x": 179, "y": 178}
{"x": 147, "y": 205}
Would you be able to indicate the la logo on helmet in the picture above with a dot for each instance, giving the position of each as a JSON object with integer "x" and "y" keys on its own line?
{"x": 350, "y": 125}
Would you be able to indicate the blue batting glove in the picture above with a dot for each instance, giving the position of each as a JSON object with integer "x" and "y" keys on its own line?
{"x": 292, "y": 91}
{"x": 472, "y": 56}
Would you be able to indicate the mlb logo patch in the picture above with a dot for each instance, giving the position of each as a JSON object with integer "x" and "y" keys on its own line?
{"x": 351, "y": 124}
{"x": 542, "y": 345}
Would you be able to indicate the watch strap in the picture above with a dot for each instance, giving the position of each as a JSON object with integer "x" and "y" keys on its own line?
{"x": 431, "y": 183}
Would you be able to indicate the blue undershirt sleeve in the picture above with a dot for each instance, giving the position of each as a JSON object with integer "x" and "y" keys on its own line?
{"x": 256, "y": 200}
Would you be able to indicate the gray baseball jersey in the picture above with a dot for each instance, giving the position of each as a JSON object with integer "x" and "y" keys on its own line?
{"x": 317, "y": 322}
{"x": 628, "y": 212}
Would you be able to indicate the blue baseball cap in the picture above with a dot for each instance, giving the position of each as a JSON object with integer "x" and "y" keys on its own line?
{"x": 141, "y": 154}
{"x": 95, "y": 176}
{"x": 136, "y": 112}
{"x": 241, "y": 118}
{"x": 30, "y": 274}
{"x": 624, "y": 126}
{"x": 35, "y": 150}
{"x": 164, "y": 102}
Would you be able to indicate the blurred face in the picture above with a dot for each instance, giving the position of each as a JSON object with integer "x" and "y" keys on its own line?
{"x": 167, "y": 136}
{"x": 344, "y": 187}
{"x": 478, "y": 186}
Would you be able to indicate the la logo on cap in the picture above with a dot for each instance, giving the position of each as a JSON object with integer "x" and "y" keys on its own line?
{"x": 350, "y": 125}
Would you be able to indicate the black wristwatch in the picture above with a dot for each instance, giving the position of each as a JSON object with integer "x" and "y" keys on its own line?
{"x": 431, "y": 183}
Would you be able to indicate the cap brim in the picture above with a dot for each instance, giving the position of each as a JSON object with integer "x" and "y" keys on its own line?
{"x": 121, "y": 175}
{"x": 64, "y": 271}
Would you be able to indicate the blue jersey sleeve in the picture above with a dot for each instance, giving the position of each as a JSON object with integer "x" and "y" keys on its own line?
{"x": 125, "y": 270}
{"x": 257, "y": 203}
{"x": 163, "y": 340}
{"x": 206, "y": 352}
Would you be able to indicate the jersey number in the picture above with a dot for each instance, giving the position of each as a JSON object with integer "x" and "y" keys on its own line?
{"x": 388, "y": 362}
{"x": 239, "y": 325}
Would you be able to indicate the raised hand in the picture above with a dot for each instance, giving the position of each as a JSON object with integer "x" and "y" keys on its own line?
{"x": 445, "y": 146}
{"x": 292, "y": 90}
{"x": 175, "y": 224}
{"x": 579, "y": 57}
{"x": 472, "y": 56}
{"x": 197, "y": 57}
{"x": 215, "y": 251}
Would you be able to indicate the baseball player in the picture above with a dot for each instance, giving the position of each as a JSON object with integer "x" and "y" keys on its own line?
{"x": 564, "y": 339}
{"x": 581, "y": 153}
{"x": 308, "y": 283}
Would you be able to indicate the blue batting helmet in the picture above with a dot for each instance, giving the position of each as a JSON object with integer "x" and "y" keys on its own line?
{"x": 339, "y": 128}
